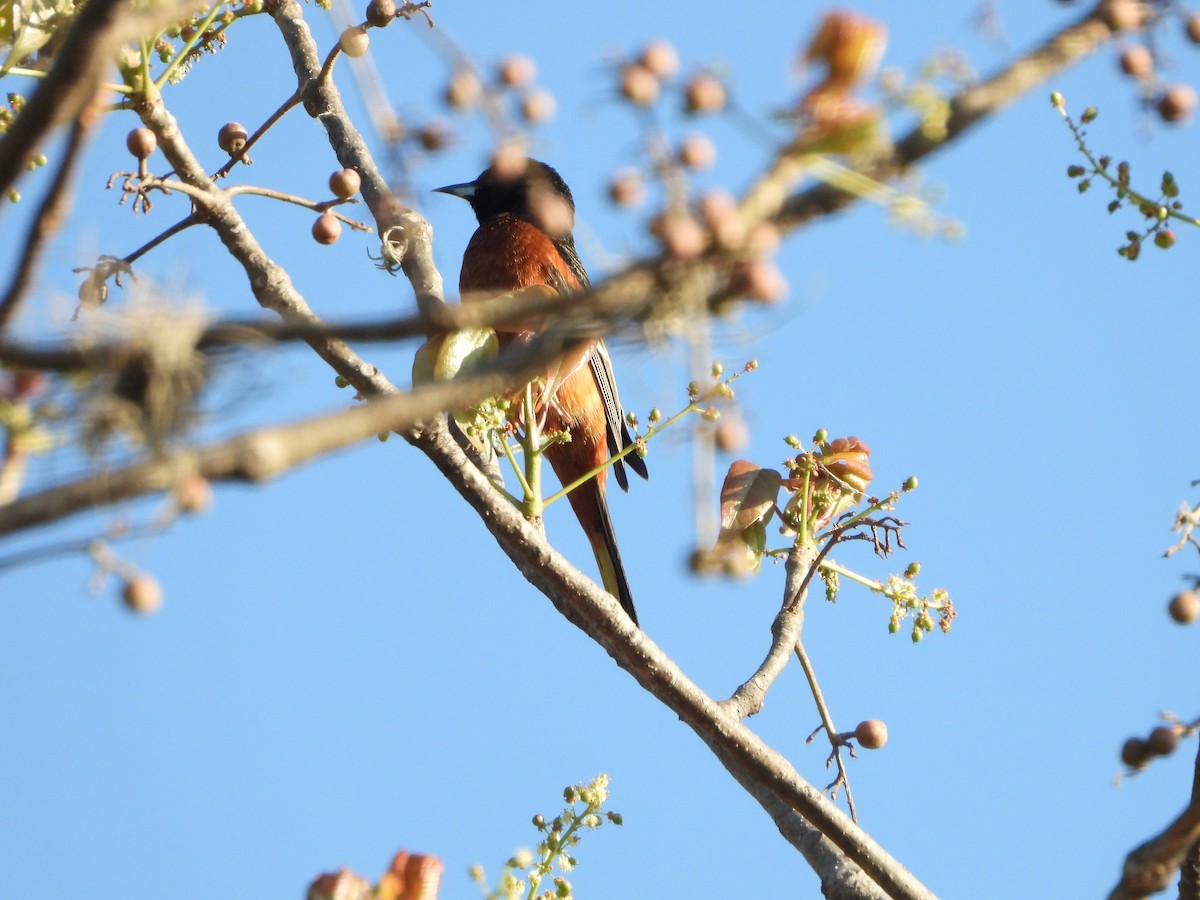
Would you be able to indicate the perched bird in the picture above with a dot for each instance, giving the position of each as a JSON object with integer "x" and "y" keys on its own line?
{"x": 524, "y": 239}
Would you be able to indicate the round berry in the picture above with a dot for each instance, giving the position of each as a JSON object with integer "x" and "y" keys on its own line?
{"x": 627, "y": 189}
{"x": 1122, "y": 15}
{"x": 1192, "y": 30}
{"x": 345, "y": 183}
{"x": 232, "y": 137}
{"x": 682, "y": 235}
{"x": 141, "y": 142}
{"x": 697, "y": 152}
{"x": 871, "y": 734}
{"x": 1164, "y": 239}
{"x": 537, "y": 106}
{"x": 1137, "y": 61}
{"x": 464, "y": 90}
{"x": 142, "y": 594}
{"x": 327, "y": 229}
{"x": 760, "y": 279}
{"x": 355, "y": 41}
{"x": 509, "y": 162}
{"x": 1185, "y": 607}
{"x": 516, "y": 71}
{"x": 660, "y": 58}
{"x": 638, "y": 85}
{"x": 1135, "y": 752}
{"x": 433, "y": 136}
{"x": 1163, "y": 740}
{"x": 381, "y": 12}
{"x": 1177, "y": 103}
{"x": 731, "y": 435}
{"x": 704, "y": 94}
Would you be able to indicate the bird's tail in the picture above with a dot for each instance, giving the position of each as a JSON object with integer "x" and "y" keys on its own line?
{"x": 592, "y": 510}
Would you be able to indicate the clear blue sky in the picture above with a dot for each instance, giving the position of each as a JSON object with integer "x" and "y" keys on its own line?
{"x": 346, "y": 664}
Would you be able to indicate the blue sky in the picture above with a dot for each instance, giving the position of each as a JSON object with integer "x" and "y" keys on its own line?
{"x": 346, "y": 664}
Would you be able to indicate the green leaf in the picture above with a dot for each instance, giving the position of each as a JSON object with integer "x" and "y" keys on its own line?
{"x": 26, "y": 25}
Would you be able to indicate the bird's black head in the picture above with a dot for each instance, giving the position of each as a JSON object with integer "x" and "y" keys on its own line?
{"x": 533, "y": 192}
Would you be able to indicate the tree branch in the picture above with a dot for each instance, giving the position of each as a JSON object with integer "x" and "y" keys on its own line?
{"x": 266, "y": 453}
{"x": 1150, "y": 867}
{"x": 779, "y": 788}
{"x": 50, "y": 214}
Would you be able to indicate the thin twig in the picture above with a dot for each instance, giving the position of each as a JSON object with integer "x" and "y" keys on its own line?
{"x": 240, "y": 154}
{"x": 827, "y": 722}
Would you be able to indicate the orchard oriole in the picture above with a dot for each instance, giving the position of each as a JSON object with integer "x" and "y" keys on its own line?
{"x": 524, "y": 239}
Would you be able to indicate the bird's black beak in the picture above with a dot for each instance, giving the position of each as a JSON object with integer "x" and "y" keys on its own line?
{"x": 465, "y": 190}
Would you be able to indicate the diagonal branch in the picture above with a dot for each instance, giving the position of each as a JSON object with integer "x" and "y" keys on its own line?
{"x": 1150, "y": 867}
{"x": 51, "y": 212}
{"x": 804, "y": 816}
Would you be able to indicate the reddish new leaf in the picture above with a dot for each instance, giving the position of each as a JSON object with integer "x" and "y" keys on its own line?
{"x": 747, "y": 496}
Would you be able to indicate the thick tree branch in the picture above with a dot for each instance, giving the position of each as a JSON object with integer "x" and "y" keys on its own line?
{"x": 254, "y": 457}
{"x": 73, "y": 356}
{"x": 1189, "y": 869}
{"x": 265, "y": 453}
{"x": 1150, "y": 867}
{"x": 778, "y": 787}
